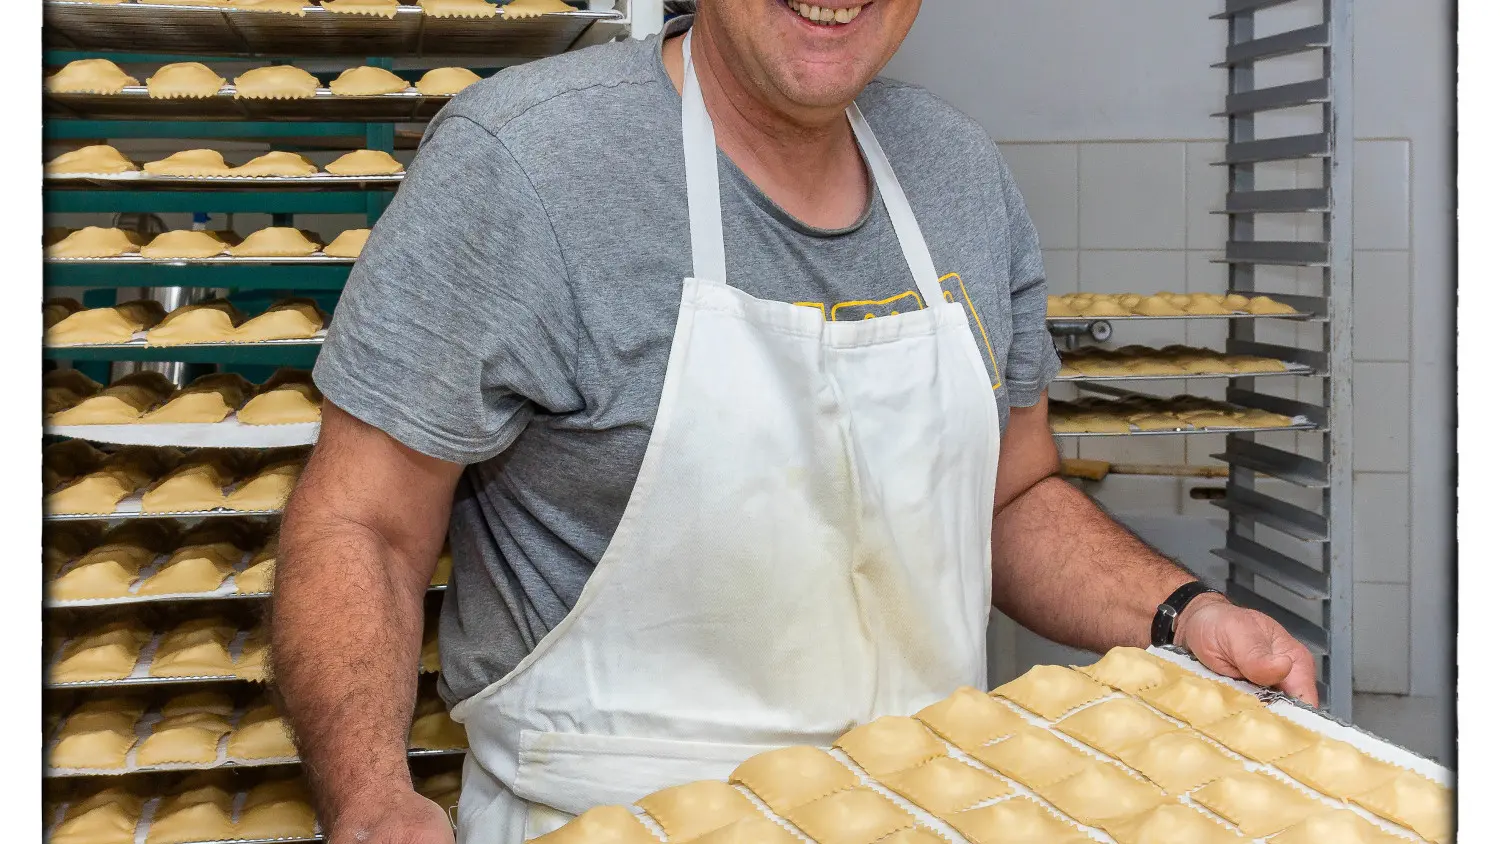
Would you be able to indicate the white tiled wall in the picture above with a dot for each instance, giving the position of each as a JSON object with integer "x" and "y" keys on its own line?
{"x": 1112, "y": 145}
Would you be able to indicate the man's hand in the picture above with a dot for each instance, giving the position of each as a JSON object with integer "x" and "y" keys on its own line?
{"x": 408, "y": 818}
{"x": 1247, "y": 645}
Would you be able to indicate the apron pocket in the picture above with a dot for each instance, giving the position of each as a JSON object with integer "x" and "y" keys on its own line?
{"x": 574, "y": 772}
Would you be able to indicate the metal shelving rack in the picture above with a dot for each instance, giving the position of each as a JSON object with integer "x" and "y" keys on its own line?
{"x": 1306, "y": 580}
{"x": 75, "y": 30}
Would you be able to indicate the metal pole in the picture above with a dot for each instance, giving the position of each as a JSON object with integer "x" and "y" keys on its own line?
{"x": 1339, "y": 341}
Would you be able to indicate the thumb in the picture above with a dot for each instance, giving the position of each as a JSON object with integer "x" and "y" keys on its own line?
{"x": 1258, "y": 658}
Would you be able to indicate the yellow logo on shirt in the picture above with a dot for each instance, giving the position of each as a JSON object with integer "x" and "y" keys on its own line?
{"x": 953, "y": 291}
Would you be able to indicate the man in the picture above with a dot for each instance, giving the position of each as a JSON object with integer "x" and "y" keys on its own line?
{"x": 736, "y": 403}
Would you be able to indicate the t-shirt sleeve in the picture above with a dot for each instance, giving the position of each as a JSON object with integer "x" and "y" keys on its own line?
{"x": 1033, "y": 361}
{"x": 456, "y": 326}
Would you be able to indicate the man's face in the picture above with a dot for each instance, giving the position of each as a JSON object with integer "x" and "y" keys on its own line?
{"x": 780, "y": 49}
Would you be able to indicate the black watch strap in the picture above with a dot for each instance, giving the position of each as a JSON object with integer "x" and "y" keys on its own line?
{"x": 1164, "y": 625}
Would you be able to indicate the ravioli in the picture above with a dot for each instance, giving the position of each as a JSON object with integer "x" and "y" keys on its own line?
{"x": 1033, "y": 756}
{"x": 946, "y": 785}
{"x": 280, "y": 82}
{"x": 1131, "y": 670}
{"x": 1051, "y": 690}
{"x": 758, "y": 830}
{"x": 1179, "y": 761}
{"x": 348, "y": 244}
{"x": 688, "y": 811}
{"x": 185, "y": 244}
{"x": 1100, "y": 791}
{"x": 365, "y": 162}
{"x": 1171, "y": 823}
{"x": 853, "y": 816}
{"x": 1337, "y": 769}
{"x": 446, "y": 81}
{"x": 1338, "y": 826}
{"x": 1260, "y": 735}
{"x": 181, "y": 80}
{"x": 1415, "y": 802}
{"x": 192, "y": 162}
{"x": 95, "y": 242}
{"x": 890, "y": 744}
{"x": 970, "y": 718}
{"x": 275, "y": 242}
{"x": 288, "y": 319}
{"x": 192, "y": 738}
{"x": 1197, "y": 700}
{"x": 1257, "y": 803}
{"x": 367, "y": 81}
{"x": 1019, "y": 820}
{"x": 601, "y": 825}
{"x": 277, "y": 163}
{"x": 90, "y": 76}
{"x": 1113, "y": 725}
{"x": 97, "y": 159}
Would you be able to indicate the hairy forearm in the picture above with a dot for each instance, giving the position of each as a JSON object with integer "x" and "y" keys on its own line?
{"x": 1066, "y": 570}
{"x": 346, "y": 638}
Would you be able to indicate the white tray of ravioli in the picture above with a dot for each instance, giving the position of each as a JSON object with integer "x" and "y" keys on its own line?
{"x": 143, "y": 727}
{"x": 1280, "y": 705}
{"x": 231, "y": 433}
{"x": 130, "y": 508}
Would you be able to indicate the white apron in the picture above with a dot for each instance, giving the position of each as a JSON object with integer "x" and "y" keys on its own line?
{"x": 806, "y": 548}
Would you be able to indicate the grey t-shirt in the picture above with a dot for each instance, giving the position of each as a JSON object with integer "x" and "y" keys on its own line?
{"x": 514, "y": 307}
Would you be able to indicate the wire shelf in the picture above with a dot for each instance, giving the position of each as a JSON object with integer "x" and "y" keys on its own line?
{"x": 144, "y": 181}
{"x": 133, "y": 103}
{"x": 318, "y": 32}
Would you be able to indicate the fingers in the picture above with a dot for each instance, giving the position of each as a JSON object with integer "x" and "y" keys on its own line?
{"x": 1302, "y": 681}
{"x": 1269, "y": 656}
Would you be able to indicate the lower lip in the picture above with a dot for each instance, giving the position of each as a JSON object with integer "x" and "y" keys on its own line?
{"x": 830, "y": 29}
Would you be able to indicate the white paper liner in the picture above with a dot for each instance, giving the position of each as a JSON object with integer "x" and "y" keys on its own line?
{"x": 138, "y": 341}
{"x": 231, "y": 433}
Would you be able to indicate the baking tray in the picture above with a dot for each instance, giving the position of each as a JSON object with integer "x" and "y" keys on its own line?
{"x": 1291, "y": 369}
{"x": 222, "y": 759}
{"x": 140, "y": 675}
{"x": 217, "y": 261}
{"x": 1296, "y": 426}
{"x": 130, "y": 508}
{"x": 241, "y": 32}
{"x": 1139, "y": 318}
{"x": 225, "y": 592}
{"x": 139, "y": 342}
{"x": 230, "y": 433}
{"x": 145, "y": 181}
{"x": 133, "y": 103}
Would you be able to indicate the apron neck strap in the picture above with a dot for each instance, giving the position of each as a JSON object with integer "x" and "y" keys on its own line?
{"x": 705, "y": 214}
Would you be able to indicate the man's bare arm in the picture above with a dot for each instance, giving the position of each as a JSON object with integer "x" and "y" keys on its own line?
{"x": 359, "y": 543}
{"x": 1066, "y": 570}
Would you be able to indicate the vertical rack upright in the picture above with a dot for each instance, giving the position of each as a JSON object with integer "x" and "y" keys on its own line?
{"x": 1311, "y": 583}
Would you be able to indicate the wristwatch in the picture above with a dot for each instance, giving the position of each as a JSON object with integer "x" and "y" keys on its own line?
{"x": 1164, "y": 625}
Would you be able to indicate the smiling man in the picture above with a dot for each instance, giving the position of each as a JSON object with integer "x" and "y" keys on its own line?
{"x": 723, "y": 363}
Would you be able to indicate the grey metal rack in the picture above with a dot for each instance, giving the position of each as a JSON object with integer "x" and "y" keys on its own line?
{"x": 1289, "y": 561}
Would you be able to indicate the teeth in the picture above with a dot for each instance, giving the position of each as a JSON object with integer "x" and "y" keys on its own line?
{"x": 818, "y": 14}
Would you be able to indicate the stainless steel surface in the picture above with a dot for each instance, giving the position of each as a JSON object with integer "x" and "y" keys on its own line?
{"x": 1275, "y": 463}
{"x": 141, "y": 344}
{"x": 242, "y": 32}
